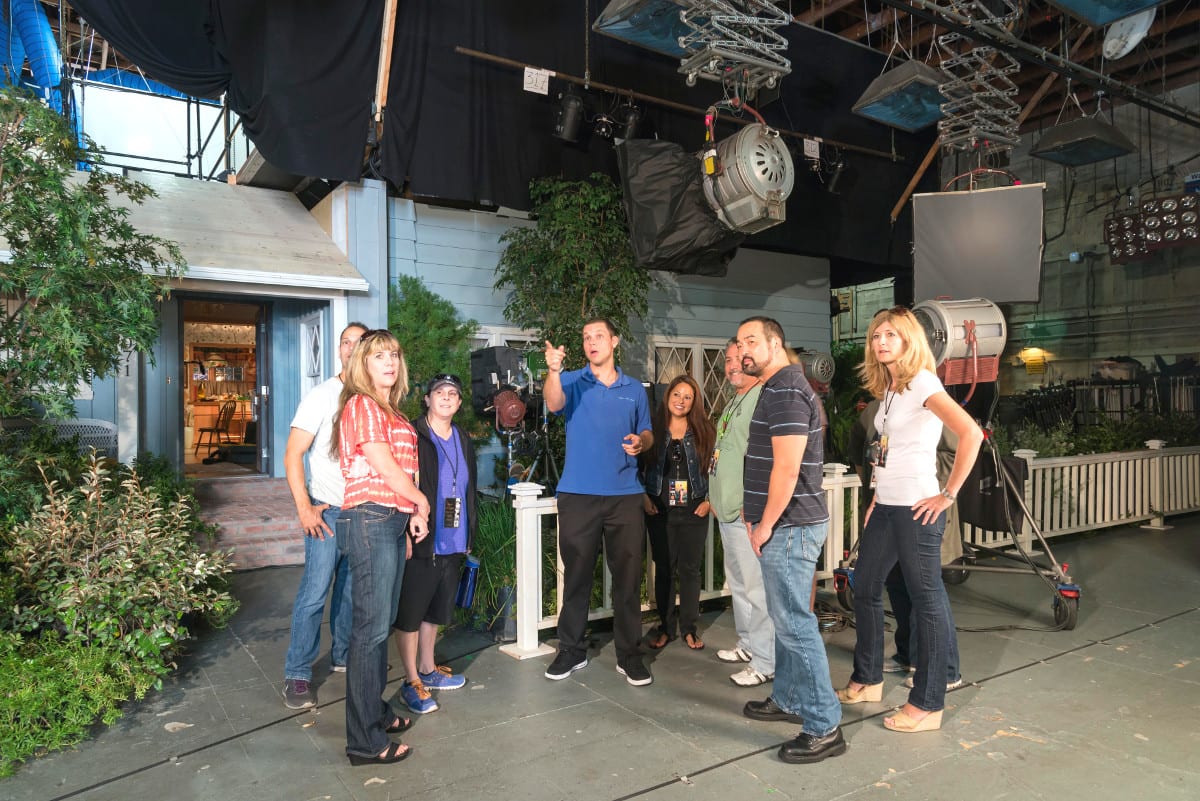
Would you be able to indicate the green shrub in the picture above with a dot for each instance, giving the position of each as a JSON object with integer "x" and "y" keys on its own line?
{"x": 27, "y": 455}
{"x": 52, "y": 690}
{"x": 112, "y": 564}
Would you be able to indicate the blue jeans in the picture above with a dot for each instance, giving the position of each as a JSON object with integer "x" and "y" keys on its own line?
{"x": 324, "y": 564}
{"x": 906, "y": 629}
{"x": 892, "y": 535}
{"x": 373, "y": 538}
{"x": 802, "y": 684}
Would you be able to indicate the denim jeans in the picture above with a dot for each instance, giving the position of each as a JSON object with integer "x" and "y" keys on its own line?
{"x": 756, "y": 632}
{"x": 373, "y": 538}
{"x": 892, "y": 535}
{"x": 324, "y": 564}
{"x": 802, "y": 684}
{"x": 906, "y": 629}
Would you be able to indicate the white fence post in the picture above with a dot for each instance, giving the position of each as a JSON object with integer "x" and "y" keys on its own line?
{"x": 1158, "y": 490}
{"x": 1027, "y": 492}
{"x": 529, "y": 573}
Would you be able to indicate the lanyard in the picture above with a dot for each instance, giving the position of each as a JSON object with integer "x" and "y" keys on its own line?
{"x": 887, "y": 407}
{"x": 729, "y": 413}
{"x": 437, "y": 440}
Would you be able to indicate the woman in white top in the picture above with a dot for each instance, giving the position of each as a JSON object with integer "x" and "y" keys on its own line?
{"x": 906, "y": 519}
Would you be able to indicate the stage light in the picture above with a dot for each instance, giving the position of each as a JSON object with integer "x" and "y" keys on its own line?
{"x": 750, "y": 192}
{"x": 1158, "y": 223}
{"x": 602, "y": 126}
{"x": 1082, "y": 141}
{"x": 906, "y": 97}
{"x": 570, "y": 115}
{"x": 966, "y": 337}
{"x": 633, "y": 118}
{"x": 1099, "y": 13}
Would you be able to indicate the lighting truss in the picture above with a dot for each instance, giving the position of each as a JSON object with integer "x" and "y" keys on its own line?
{"x": 734, "y": 40}
{"x": 980, "y": 110}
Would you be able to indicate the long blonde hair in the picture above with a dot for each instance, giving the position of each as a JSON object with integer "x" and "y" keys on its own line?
{"x": 916, "y": 357}
{"x": 357, "y": 381}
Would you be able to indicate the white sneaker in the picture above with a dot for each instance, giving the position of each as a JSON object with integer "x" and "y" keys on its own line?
{"x": 734, "y": 655}
{"x": 954, "y": 685}
{"x": 749, "y": 678}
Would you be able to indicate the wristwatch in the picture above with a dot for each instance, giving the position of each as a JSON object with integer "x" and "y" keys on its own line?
{"x": 946, "y": 493}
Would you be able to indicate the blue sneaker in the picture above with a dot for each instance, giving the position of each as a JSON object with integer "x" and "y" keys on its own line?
{"x": 441, "y": 678}
{"x": 418, "y": 698}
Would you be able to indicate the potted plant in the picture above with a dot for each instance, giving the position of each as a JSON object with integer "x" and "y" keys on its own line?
{"x": 495, "y": 545}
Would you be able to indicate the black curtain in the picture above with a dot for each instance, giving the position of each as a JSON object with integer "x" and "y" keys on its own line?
{"x": 299, "y": 73}
{"x": 462, "y": 128}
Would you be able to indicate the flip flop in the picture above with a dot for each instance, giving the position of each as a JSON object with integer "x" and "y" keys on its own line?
{"x": 693, "y": 642}
{"x": 392, "y": 754}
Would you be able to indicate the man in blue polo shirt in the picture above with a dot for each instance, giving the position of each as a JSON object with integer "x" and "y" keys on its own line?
{"x": 600, "y": 497}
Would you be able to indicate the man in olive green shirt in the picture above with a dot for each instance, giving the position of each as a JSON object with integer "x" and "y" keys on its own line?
{"x": 756, "y": 632}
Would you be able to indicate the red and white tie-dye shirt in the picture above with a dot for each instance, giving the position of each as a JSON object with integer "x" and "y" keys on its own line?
{"x": 363, "y": 421}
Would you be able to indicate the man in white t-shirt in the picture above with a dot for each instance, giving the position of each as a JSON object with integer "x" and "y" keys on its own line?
{"x": 318, "y": 504}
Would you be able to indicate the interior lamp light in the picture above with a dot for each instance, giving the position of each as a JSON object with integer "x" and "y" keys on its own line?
{"x": 906, "y": 97}
{"x": 1082, "y": 141}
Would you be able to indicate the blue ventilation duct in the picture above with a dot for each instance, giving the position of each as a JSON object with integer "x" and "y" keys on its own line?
{"x": 12, "y": 54}
{"x": 30, "y": 22}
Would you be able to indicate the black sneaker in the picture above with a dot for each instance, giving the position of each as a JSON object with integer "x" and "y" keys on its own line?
{"x": 634, "y": 671}
{"x": 566, "y": 663}
{"x": 806, "y": 748}
{"x": 298, "y": 694}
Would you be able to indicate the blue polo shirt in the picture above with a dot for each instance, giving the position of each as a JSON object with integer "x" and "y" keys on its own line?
{"x": 598, "y": 420}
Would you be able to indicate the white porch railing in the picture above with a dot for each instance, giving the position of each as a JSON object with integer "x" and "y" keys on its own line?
{"x": 535, "y": 516}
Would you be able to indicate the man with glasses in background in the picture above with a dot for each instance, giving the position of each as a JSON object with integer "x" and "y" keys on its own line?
{"x": 318, "y": 504}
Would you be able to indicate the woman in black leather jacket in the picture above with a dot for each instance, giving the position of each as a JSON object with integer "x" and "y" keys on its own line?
{"x": 676, "y": 504}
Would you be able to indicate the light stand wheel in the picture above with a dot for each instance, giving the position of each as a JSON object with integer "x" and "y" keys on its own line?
{"x": 845, "y": 598}
{"x": 956, "y": 575}
{"x": 1066, "y": 612}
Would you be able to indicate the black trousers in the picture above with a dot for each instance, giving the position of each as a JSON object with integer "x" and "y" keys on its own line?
{"x": 584, "y": 522}
{"x": 677, "y": 545}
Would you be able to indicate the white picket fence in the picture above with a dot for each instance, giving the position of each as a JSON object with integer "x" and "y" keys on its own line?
{"x": 1065, "y": 495}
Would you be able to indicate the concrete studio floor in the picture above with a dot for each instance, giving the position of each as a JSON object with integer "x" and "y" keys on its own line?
{"x": 1107, "y": 711}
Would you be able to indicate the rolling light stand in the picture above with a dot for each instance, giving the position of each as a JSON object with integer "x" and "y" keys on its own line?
{"x": 967, "y": 353}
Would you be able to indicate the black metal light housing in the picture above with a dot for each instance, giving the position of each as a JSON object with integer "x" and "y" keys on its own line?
{"x": 570, "y": 116}
{"x": 1082, "y": 141}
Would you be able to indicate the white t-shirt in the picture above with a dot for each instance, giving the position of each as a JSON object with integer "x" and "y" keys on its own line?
{"x": 315, "y": 415}
{"x": 913, "y": 433}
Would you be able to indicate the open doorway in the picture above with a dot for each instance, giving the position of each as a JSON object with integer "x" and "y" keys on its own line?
{"x": 223, "y": 365}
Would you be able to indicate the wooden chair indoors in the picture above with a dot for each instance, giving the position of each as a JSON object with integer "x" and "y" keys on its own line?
{"x": 218, "y": 432}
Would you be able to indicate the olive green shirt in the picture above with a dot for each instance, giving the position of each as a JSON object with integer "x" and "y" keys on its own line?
{"x": 733, "y": 429}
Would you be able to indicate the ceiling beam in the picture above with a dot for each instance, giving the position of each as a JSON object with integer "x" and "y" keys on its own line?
{"x": 820, "y": 11}
{"x": 872, "y": 24}
{"x": 1182, "y": 74}
{"x": 1041, "y": 91}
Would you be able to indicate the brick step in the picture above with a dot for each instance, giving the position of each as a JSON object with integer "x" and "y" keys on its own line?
{"x": 255, "y": 518}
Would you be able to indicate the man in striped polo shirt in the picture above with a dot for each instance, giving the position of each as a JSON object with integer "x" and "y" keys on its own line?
{"x": 787, "y": 522}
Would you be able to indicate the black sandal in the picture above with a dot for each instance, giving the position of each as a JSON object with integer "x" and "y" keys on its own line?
{"x": 402, "y": 726}
{"x": 693, "y": 641}
{"x": 392, "y": 754}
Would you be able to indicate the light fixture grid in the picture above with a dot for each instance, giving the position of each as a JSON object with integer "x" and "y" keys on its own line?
{"x": 980, "y": 110}
{"x": 734, "y": 38}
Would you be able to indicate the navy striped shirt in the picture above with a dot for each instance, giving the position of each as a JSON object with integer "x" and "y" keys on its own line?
{"x": 787, "y": 407}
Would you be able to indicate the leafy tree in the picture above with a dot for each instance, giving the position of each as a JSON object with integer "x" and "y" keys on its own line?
{"x": 574, "y": 264}
{"x": 435, "y": 340}
{"x": 81, "y": 286}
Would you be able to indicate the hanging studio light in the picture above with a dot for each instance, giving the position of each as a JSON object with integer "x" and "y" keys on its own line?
{"x": 570, "y": 116}
{"x": 906, "y": 97}
{"x": 1082, "y": 141}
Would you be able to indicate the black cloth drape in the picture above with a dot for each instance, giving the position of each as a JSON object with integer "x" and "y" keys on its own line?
{"x": 299, "y": 73}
